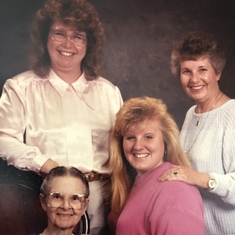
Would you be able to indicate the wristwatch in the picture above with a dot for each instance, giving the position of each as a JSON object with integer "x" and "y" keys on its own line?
{"x": 211, "y": 183}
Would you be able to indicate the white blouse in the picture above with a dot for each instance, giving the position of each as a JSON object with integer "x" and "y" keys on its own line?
{"x": 49, "y": 118}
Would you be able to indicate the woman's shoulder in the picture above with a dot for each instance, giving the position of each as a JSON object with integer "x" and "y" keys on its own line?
{"x": 29, "y": 74}
{"x": 226, "y": 115}
{"x": 105, "y": 87}
{"x": 178, "y": 189}
{"x": 105, "y": 83}
{"x": 177, "y": 185}
{"x": 229, "y": 105}
{"x": 22, "y": 78}
{"x": 226, "y": 112}
{"x": 191, "y": 109}
{"x": 178, "y": 194}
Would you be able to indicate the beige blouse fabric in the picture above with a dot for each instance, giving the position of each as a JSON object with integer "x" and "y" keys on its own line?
{"x": 49, "y": 118}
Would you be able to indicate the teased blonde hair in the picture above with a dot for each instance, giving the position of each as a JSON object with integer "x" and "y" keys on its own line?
{"x": 137, "y": 110}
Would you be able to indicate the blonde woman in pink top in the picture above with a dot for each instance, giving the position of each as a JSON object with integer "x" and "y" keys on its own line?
{"x": 144, "y": 144}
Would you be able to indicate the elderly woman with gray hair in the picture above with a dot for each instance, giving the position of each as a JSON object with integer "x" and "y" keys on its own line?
{"x": 64, "y": 197}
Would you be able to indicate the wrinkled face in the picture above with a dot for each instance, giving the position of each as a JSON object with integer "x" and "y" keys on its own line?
{"x": 64, "y": 216}
{"x": 66, "y": 53}
{"x": 198, "y": 79}
{"x": 143, "y": 146}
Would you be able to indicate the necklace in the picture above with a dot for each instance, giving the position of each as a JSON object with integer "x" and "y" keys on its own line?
{"x": 217, "y": 99}
{"x": 196, "y": 132}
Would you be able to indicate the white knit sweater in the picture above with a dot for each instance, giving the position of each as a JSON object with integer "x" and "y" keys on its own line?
{"x": 211, "y": 148}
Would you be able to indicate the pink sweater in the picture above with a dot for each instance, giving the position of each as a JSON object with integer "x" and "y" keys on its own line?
{"x": 162, "y": 208}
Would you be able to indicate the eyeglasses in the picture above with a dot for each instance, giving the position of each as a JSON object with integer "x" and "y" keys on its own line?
{"x": 76, "y": 201}
{"x": 78, "y": 39}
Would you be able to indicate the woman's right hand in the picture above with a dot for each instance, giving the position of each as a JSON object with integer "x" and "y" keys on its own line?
{"x": 186, "y": 175}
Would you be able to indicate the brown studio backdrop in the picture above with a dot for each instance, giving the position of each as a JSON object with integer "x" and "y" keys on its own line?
{"x": 139, "y": 38}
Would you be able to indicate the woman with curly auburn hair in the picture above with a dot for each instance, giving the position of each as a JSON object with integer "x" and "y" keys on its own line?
{"x": 80, "y": 15}
{"x": 144, "y": 144}
{"x": 61, "y": 111}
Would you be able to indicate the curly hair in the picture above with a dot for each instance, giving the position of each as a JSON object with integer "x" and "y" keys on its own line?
{"x": 137, "y": 110}
{"x": 194, "y": 45}
{"x": 76, "y": 13}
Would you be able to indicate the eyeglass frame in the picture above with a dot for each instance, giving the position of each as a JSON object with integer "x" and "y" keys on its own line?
{"x": 68, "y": 197}
{"x": 64, "y": 36}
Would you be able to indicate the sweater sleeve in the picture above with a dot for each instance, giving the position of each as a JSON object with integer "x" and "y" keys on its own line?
{"x": 226, "y": 183}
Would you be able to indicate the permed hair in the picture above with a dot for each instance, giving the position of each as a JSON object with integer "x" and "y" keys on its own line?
{"x": 194, "y": 45}
{"x": 75, "y": 13}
